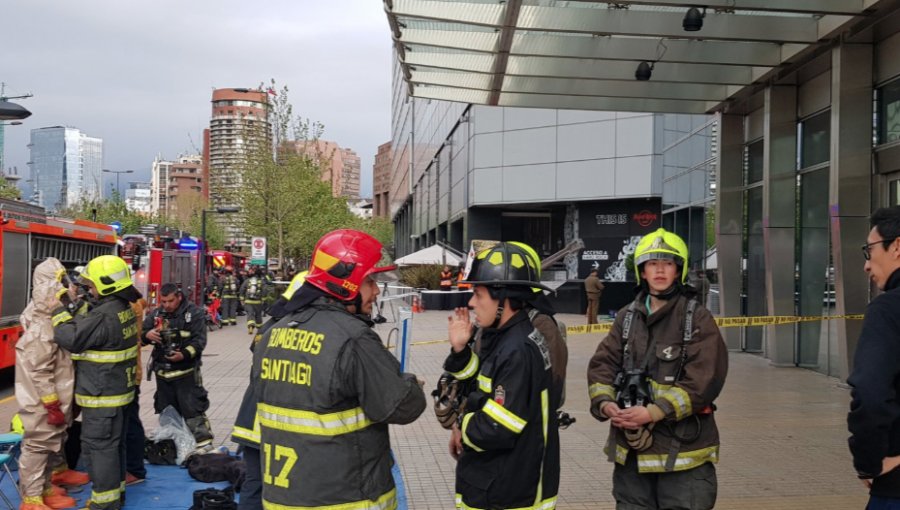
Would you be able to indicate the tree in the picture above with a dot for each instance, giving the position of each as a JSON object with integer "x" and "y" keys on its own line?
{"x": 185, "y": 213}
{"x": 108, "y": 211}
{"x": 9, "y": 190}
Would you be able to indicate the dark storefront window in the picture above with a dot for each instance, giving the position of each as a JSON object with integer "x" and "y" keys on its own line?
{"x": 889, "y": 112}
{"x": 753, "y": 165}
{"x": 815, "y": 140}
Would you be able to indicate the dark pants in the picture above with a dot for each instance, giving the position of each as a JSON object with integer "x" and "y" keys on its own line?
{"x": 254, "y": 314}
{"x": 188, "y": 396}
{"x": 593, "y": 303}
{"x": 103, "y": 450}
{"x": 694, "y": 489}
{"x": 229, "y": 310}
{"x": 251, "y": 489}
{"x": 877, "y": 503}
{"x": 135, "y": 438}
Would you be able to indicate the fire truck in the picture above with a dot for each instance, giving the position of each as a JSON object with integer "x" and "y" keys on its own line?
{"x": 28, "y": 235}
{"x": 218, "y": 259}
{"x": 164, "y": 258}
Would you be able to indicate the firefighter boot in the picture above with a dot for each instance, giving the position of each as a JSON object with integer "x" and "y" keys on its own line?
{"x": 33, "y": 503}
{"x": 57, "y": 502}
{"x": 70, "y": 477}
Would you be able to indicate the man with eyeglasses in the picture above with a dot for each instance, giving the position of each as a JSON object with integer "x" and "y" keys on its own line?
{"x": 874, "y": 418}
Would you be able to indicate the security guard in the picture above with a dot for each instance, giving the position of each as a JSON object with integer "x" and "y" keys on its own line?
{"x": 507, "y": 439}
{"x": 655, "y": 377}
{"x": 327, "y": 388}
{"x": 246, "y": 426}
{"x": 228, "y": 289}
{"x": 104, "y": 345}
{"x": 177, "y": 330}
{"x": 251, "y": 296}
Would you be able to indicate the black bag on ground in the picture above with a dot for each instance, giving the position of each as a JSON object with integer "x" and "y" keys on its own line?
{"x": 162, "y": 452}
{"x": 217, "y": 467}
{"x": 214, "y": 499}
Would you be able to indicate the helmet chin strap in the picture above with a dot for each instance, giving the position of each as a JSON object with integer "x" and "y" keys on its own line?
{"x": 667, "y": 294}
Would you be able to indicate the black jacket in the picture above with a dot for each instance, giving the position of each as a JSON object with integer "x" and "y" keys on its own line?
{"x": 104, "y": 347}
{"x": 189, "y": 321}
{"x": 326, "y": 390}
{"x": 874, "y": 418}
{"x": 509, "y": 429}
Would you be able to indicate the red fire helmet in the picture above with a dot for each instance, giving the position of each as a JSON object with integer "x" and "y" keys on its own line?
{"x": 341, "y": 261}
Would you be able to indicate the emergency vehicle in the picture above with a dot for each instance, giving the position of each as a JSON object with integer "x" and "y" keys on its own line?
{"x": 28, "y": 235}
{"x": 164, "y": 260}
{"x": 218, "y": 259}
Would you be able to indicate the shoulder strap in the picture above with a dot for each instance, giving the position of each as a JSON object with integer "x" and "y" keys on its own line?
{"x": 538, "y": 338}
{"x": 687, "y": 334}
{"x": 626, "y": 331}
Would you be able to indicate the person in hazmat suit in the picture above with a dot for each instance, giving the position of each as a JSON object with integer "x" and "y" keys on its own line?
{"x": 104, "y": 345}
{"x": 45, "y": 382}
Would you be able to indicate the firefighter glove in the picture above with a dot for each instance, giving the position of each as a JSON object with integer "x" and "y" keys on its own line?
{"x": 640, "y": 439}
{"x": 448, "y": 404}
{"x": 55, "y": 415}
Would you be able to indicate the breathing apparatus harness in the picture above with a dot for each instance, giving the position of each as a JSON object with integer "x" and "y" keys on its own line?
{"x": 633, "y": 385}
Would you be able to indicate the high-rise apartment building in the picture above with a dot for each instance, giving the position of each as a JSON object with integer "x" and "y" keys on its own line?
{"x": 381, "y": 181}
{"x": 66, "y": 166}
{"x": 138, "y": 197}
{"x": 159, "y": 179}
{"x": 340, "y": 166}
{"x": 239, "y": 125}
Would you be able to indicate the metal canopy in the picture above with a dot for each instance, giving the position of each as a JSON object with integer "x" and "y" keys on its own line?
{"x": 583, "y": 54}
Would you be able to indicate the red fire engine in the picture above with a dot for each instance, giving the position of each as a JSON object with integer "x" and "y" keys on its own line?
{"x": 220, "y": 258}
{"x": 28, "y": 235}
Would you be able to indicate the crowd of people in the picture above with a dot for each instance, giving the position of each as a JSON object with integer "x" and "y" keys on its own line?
{"x": 323, "y": 387}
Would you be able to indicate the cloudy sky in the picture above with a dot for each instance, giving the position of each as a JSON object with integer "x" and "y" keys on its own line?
{"x": 140, "y": 73}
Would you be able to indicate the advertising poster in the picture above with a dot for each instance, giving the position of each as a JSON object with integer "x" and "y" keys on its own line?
{"x": 610, "y": 231}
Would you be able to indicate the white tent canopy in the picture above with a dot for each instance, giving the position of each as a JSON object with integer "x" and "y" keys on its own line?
{"x": 432, "y": 255}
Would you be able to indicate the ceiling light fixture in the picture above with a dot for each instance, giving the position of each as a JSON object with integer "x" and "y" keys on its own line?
{"x": 693, "y": 20}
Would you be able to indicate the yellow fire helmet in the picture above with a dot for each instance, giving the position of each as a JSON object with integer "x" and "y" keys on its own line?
{"x": 661, "y": 245}
{"x": 295, "y": 284}
{"x": 108, "y": 273}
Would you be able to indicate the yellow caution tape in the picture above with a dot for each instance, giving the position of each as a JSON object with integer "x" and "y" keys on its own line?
{"x": 722, "y": 322}
{"x": 730, "y": 322}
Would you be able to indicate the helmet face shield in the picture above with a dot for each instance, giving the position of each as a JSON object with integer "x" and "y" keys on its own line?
{"x": 342, "y": 259}
{"x": 108, "y": 273}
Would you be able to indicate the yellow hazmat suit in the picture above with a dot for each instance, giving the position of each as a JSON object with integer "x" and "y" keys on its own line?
{"x": 45, "y": 381}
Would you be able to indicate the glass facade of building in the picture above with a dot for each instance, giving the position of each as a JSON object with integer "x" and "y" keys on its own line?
{"x": 66, "y": 166}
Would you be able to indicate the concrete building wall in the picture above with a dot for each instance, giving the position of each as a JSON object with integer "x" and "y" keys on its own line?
{"x": 381, "y": 181}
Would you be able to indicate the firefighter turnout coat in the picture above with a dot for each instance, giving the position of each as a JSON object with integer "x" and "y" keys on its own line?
{"x": 687, "y": 373}
{"x": 44, "y": 374}
{"x": 189, "y": 321}
{"x": 327, "y": 390}
{"x": 104, "y": 345}
{"x": 509, "y": 429}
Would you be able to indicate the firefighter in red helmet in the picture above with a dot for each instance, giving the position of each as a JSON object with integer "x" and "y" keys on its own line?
{"x": 327, "y": 389}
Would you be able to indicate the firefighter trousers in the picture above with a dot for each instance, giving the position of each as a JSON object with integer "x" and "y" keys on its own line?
{"x": 693, "y": 489}
{"x": 254, "y": 313}
{"x": 251, "y": 489}
{"x": 188, "y": 396}
{"x": 42, "y": 447}
{"x": 135, "y": 438}
{"x": 229, "y": 310}
{"x": 593, "y": 304}
{"x": 103, "y": 452}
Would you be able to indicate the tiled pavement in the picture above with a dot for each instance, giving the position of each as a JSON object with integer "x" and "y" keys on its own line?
{"x": 783, "y": 429}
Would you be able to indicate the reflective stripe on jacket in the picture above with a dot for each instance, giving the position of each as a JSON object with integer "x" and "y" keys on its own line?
{"x": 190, "y": 322}
{"x": 513, "y": 424}
{"x": 103, "y": 344}
{"x": 326, "y": 390}
{"x": 685, "y": 402}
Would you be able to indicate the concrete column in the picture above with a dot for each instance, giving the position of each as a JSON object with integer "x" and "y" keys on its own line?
{"x": 779, "y": 216}
{"x": 729, "y": 220}
{"x": 850, "y": 187}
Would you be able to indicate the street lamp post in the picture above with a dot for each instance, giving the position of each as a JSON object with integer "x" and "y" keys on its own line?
{"x": 220, "y": 210}
{"x": 118, "y": 173}
{"x": 2, "y": 142}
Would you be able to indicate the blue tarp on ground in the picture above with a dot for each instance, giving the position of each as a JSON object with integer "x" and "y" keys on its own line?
{"x": 170, "y": 487}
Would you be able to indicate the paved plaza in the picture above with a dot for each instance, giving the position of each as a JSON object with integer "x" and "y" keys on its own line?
{"x": 784, "y": 438}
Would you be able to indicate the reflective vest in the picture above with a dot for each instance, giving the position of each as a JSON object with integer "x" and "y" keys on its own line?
{"x": 460, "y": 282}
{"x": 104, "y": 345}
{"x": 318, "y": 448}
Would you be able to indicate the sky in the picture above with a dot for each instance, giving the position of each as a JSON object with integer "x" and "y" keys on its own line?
{"x": 140, "y": 73}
